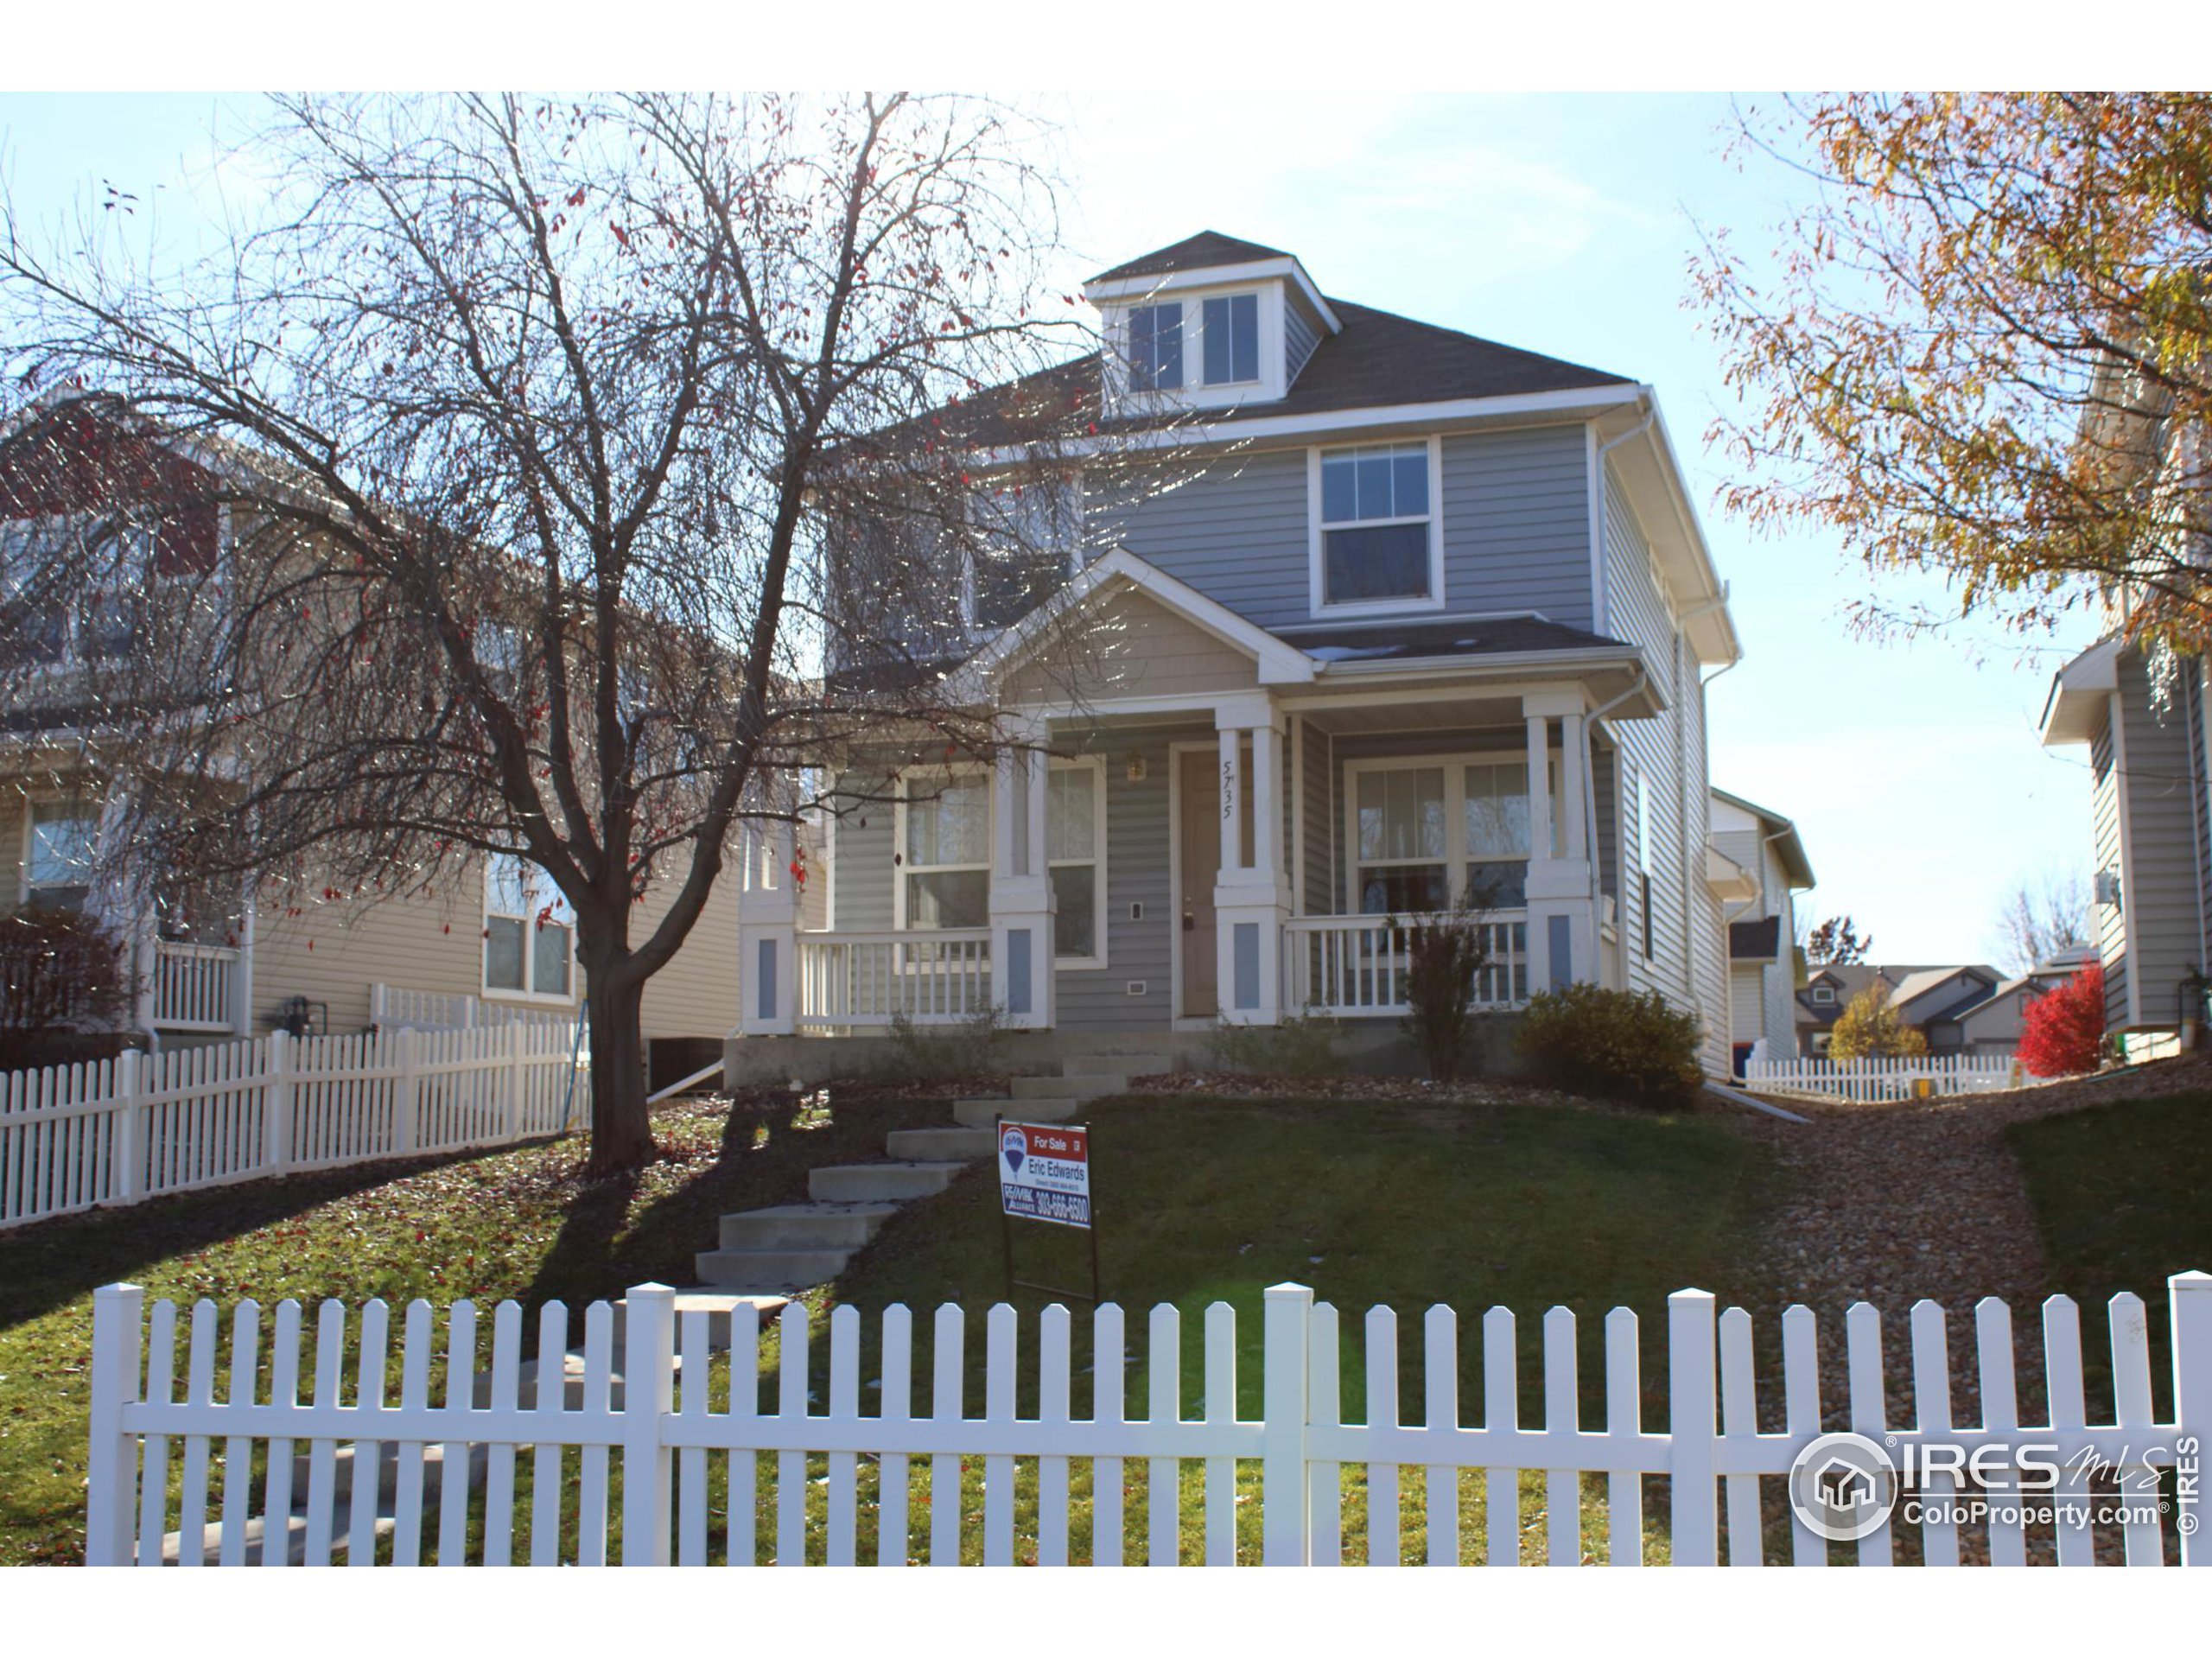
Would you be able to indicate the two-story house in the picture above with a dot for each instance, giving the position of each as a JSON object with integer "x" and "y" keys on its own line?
{"x": 1765, "y": 867}
{"x": 1418, "y": 615}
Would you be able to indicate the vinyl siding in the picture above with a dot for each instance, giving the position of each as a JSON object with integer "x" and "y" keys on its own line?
{"x": 1317, "y": 875}
{"x": 2109, "y": 920}
{"x": 695, "y": 995}
{"x": 2165, "y": 915}
{"x": 1300, "y": 335}
{"x": 1129, "y": 644}
{"x": 1746, "y": 1002}
{"x": 1236, "y": 532}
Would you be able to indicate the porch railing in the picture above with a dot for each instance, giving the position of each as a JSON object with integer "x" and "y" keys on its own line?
{"x": 1349, "y": 965}
{"x": 194, "y": 985}
{"x": 863, "y": 979}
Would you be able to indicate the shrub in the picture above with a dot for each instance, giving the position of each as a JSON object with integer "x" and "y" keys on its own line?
{"x": 2062, "y": 1031}
{"x": 1869, "y": 1028}
{"x": 1617, "y": 1045}
{"x": 1303, "y": 1045}
{"x": 1444, "y": 955}
{"x": 972, "y": 1047}
{"x": 59, "y": 974}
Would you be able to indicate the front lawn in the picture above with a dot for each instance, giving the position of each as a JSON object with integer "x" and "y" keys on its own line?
{"x": 2122, "y": 1193}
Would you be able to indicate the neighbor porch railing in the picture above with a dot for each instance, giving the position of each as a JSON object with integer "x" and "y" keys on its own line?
{"x": 193, "y": 986}
{"x": 1349, "y": 965}
{"x": 938, "y": 977}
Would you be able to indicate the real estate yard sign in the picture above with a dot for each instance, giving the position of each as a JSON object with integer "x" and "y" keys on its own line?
{"x": 1044, "y": 1175}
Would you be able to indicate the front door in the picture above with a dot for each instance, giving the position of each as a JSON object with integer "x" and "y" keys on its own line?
{"x": 1199, "y": 789}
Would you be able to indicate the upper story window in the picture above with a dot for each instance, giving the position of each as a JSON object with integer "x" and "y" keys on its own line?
{"x": 1377, "y": 545}
{"x": 42, "y": 559}
{"x": 1156, "y": 347}
{"x": 1026, "y": 536}
{"x": 1823, "y": 993}
{"x": 528, "y": 928}
{"x": 1230, "y": 330}
{"x": 58, "y": 860}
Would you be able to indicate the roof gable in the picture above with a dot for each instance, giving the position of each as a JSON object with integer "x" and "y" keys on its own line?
{"x": 1199, "y": 252}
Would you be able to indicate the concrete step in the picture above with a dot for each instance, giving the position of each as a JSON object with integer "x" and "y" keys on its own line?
{"x": 1087, "y": 1086}
{"x": 805, "y": 1226}
{"x": 716, "y": 1303}
{"x": 1116, "y": 1065}
{"x": 876, "y": 1183}
{"x": 981, "y": 1114}
{"x": 295, "y": 1530}
{"x": 769, "y": 1270}
{"x": 950, "y": 1145}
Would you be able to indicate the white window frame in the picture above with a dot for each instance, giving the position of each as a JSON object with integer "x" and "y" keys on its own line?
{"x": 1070, "y": 558}
{"x": 1456, "y": 855}
{"x": 1195, "y": 392}
{"x": 900, "y": 869}
{"x": 1824, "y": 995}
{"x": 1184, "y": 332}
{"x": 503, "y": 993}
{"x": 24, "y": 887}
{"x": 1096, "y": 765}
{"x": 73, "y": 658}
{"x": 1259, "y": 375}
{"x": 1317, "y": 544}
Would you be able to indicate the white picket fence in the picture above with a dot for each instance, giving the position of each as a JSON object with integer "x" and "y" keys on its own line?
{"x": 665, "y": 1424}
{"x": 1867, "y": 1081}
{"x": 118, "y": 1131}
{"x": 391, "y": 1006}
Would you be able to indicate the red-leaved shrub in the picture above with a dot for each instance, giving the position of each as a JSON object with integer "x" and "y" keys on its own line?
{"x": 2062, "y": 1031}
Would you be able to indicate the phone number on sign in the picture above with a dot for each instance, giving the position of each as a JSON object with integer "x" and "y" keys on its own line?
{"x": 1069, "y": 1209}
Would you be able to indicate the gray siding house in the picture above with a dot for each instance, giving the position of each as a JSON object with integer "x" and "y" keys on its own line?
{"x": 1419, "y": 615}
{"x": 1761, "y": 859}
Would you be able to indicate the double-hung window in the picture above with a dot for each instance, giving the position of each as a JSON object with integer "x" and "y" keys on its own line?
{"x": 1377, "y": 541}
{"x": 1026, "y": 535}
{"x": 529, "y": 930}
{"x": 1075, "y": 851}
{"x": 1156, "y": 347}
{"x": 1229, "y": 329}
{"x": 58, "y": 862}
{"x": 1425, "y": 833}
{"x": 945, "y": 856}
{"x": 1401, "y": 831}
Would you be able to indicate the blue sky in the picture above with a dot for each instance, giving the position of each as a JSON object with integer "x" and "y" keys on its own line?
{"x": 1563, "y": 224}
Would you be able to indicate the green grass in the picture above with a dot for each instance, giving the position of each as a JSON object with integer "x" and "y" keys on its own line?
{"x": 2121, "y": 1193}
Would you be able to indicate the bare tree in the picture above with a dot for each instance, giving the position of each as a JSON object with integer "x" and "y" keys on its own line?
{"x": 2042, "y": 916}
{"x": 525, "y": 419}
{"x": 1837, "y": 941}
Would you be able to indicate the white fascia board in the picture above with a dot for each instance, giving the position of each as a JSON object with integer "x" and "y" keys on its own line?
{"x": 1690, "y": 559}
{"x": 2079, "y": 694}
{"x": 1252, "y": 271}
{"x": 1567, "y": 404}
{"x": 1279, "y": 662}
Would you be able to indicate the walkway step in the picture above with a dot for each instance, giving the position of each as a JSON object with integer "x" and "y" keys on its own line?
{"x": 981, "y": 1114}
{"x": 1088, "y": 1086}
{"x": 864, "y": 1182}
{"x": 958, "y": 1145}
{"x": 769, "y": 1270}
{"x": 1117, "y": 1065}
{"x": 805, "y": 1226}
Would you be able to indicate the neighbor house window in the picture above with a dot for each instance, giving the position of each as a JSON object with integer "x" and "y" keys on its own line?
{"x": 945, "y": 878}
{"x": 106, "y": 582}
{"x": 1378, "y": 529}
{"x": 58, "y": 862}
{"x": 1231, "y": 340}
{"x": 1822, "y": 993}
{"x": 1416, "y": 823}
{"x": 1156, "y": 347}
{"x": 1643, "y": 862}
{"x": 1025, "y": 540}
{"x": 529, "y": 930}
{"x": 1075, "y": 852}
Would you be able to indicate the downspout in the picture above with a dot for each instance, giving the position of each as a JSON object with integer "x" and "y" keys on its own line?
{"x": 1590, "y": 792}
{"x": 1693, "y": 856}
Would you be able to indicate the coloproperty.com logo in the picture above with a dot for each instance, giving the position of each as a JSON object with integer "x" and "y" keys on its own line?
{"x": 1845, "y": 1486}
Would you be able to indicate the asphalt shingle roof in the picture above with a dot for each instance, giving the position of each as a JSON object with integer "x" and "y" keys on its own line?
{"x": 1192, "y": 253}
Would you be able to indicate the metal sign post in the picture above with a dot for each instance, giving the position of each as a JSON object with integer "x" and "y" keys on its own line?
{"x": 1044, "y": 1175}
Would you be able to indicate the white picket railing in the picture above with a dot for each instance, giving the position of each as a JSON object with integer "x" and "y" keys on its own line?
{"x": 937, "y": 976}
{"x": 1352, "y": 965}
{"x": 667, "y": 1426}
{"x": 394, "y": 1006}
{"x": 140, "y": 1125}
{"x": 194, "y": 985}
{"x": 1864, "y": 1081}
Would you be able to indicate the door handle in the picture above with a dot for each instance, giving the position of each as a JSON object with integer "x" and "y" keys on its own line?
{"x": 1190, "y": 923}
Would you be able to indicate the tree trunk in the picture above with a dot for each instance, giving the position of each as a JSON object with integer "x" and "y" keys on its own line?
{"x": 621, "y": 1124}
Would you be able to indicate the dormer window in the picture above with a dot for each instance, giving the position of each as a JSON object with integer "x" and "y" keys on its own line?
{"x": 1156, "y": 347}
{"x": 1231, "y": 345}
{"x": 1376, "y": 545}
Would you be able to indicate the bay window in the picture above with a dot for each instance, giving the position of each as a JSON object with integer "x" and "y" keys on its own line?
{"x": 529, "y": 930}
{"x": 1376, "y": 537}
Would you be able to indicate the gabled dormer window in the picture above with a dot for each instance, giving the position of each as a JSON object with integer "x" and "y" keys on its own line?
{"x": 1229, "y": 328}
{"x": 1156, "y": 347}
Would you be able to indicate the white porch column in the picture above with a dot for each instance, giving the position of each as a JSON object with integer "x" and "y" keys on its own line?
{"x": 1251, "y": 902}
{"x": 1023, "y": 981}
{"x": 1562, "y": 917}
{"x": 767, "y": 932}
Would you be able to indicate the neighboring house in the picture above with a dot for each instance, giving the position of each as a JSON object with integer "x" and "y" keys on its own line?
{"x": 1769, "y": 858}
{"x": 1962, "y": 1008}
{"x": 495, "y": 944}
{"x": 2142, "y": 715}
{"x": 1404, "y": 574}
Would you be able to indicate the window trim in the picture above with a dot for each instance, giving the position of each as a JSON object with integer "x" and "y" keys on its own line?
{"x": 1183, "y": 333}
{"x": 1457, "y": 856}
{"x": 1316, "y": 572}
{"x": 491, "y": 993}
{"x": 1071, "y": 557}
{"x": 1096, "y": 765}
{"x": 1259, "y": 375}
{"x": 24, "y": 887}
{"x": 900, "y": 868}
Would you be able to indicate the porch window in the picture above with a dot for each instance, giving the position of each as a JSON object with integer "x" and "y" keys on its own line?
{"x": 1376, "y": 536}
{"x": 946, "y": 854}
{"x": 58, "y": 867}
{"x": 1495, "y": 817}
{"x": 1420, "y": 824}
{"x": 1400, "y": 838}
{"x": 529, "y": 930}
{"x": 1074, "y": 844}
{"x": 1156, "y": 347}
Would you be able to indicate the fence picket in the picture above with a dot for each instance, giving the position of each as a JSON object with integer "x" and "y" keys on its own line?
{"x": 1163, "y": 1482}
{"x": 499, "y": 1456}
{"x": 744, "y": 1472}
{"x": 948, "y": 1356}
{"x": 456, "y": 1468}
{"x": 1562, "y": 1411}
{"x": 199, "y": 1390}
{"x": 998, "y": 1333}
{"x": 161, "y": 1382}
{"x": 894, "y": 1405}
{"x": 414, "y": 1396}
{"x": 1623, "y": 1423}
{"x": 1221, "y": 1408}
{"x": 1052, "y": 1381}
{"x": 2141, "y": 1534}
{"x": 1501, "y": 1409}
{"x": 1739, "y": 1418}
{"x": 361, "y": 1524}
{"x": 599, "y": 1383}
{"x": 2062, "y": 1347}
{"x": 545, "y": 1461}
{"x": 238, "y": 1450}
{"x": 691, "y": 1463}
{"x": 1862, "y": 1335}
{"x": 1325, "y": 1493}
{"x": 844, "y": 1410}
{"x": 1931, "y": 1392}
{"x": 1440, "y": 1370}
{"x": 1693, "y": 1409}
{"x": 283, "y": 1392}
{"x": 322, "y": 1450}
{"x": 2000, "y": 1415}
{"x": 1801, "y": 1407}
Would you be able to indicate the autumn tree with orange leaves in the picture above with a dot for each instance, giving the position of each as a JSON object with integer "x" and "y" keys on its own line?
{"x": 1985, "y": 349}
